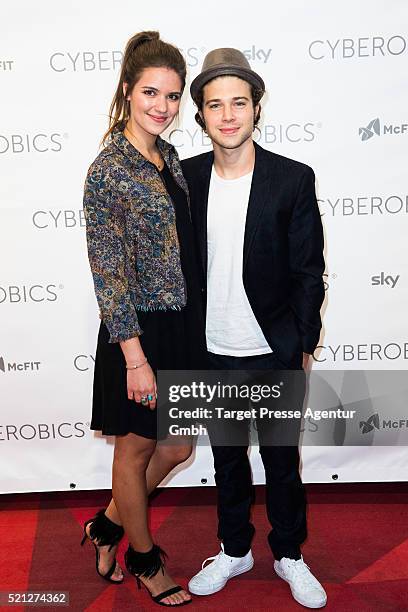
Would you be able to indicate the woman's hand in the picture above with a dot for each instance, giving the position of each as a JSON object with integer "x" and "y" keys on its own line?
{"x": 141, "y": 383}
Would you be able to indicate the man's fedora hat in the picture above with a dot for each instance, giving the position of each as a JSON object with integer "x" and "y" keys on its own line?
{"x": 225, "y": 62}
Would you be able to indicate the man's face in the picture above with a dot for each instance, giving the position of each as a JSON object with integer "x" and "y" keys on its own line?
{"x": 228, "y": 111}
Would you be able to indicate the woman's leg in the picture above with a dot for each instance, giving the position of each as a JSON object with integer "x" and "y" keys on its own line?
{"x": 165, "y": 457}
{"x": 163, "y": 460}
{"x": 132, "y": 457}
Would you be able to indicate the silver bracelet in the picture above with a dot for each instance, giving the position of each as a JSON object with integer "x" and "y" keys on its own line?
{"x": 137, "y": 365}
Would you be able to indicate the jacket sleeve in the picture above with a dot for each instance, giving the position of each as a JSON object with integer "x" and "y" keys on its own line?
{"x": 307, "y": 265}
{"x": 105, "y": 215}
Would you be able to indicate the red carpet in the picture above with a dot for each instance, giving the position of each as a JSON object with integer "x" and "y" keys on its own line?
{"x": 357, "y": 547}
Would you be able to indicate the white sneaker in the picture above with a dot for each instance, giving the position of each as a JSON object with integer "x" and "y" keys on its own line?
{"x": 306, "y": 589}
{"x": 213, "y": 577}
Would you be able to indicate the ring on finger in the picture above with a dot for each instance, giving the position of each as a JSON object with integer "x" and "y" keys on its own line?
{"x": 144, "y": 400}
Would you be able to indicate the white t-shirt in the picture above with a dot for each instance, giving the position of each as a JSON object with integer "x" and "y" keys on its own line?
{"x": 231, "y": 327}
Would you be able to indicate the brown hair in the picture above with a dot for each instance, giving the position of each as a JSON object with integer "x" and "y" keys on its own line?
{"x": 143, "y": 50}
{"x": 256, "y": 95}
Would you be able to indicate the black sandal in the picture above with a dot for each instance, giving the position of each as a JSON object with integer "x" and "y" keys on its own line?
{"x": 147, "y": 565}
{"x": 107, "y": 533}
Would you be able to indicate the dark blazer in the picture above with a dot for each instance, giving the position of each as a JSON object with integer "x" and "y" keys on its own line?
{"x": 283, "y": 259}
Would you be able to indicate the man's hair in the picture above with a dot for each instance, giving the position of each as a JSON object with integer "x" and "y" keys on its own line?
{"x": 256, "y": 95}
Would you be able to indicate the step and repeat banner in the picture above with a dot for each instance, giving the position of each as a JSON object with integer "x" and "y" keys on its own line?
{"x": 337, "y": 99}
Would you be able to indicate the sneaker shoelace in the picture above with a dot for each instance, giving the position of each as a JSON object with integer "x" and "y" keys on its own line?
{"x": 300, "y": 571}
{"x": 219, "y": 566}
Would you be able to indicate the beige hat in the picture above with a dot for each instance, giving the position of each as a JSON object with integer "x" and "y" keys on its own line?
{"x": 225, "y": 62}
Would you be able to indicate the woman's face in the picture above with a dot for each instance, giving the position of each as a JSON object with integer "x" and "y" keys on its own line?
{"x": 155, "y": 100}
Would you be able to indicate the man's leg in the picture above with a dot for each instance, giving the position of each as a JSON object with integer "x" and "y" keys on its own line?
{"x": 234, "y": 489}
{"x": 286, "y": 507}
{"x": 233, "y": 475}
{"x": 285, "y": 500}
{"x": 278, "y": 447}
{"x": 233, "y": 478}
{"x": 235, "y": 494}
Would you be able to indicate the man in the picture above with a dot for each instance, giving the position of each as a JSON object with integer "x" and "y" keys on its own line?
{"x": 260, "y": 238}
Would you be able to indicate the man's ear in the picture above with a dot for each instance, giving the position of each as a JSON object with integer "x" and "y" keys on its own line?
{"x": 257, "y": 113}
{"x": 204, "y": 127}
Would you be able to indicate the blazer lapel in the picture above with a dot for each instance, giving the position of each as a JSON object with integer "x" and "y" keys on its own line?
{"x": 201, "y": 191}
{"x": 257, "y": 198}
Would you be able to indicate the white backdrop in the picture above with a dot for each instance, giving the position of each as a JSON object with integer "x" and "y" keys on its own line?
{"x": 337, "y": 100}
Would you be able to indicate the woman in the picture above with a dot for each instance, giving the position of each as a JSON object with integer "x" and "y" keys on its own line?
{"x": 140, "y": 249}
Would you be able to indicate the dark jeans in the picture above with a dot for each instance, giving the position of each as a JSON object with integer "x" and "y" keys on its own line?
{"x": 285, "y": 493}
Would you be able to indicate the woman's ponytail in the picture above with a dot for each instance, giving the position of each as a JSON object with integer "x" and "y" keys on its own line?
{"x": 143, "y": 50}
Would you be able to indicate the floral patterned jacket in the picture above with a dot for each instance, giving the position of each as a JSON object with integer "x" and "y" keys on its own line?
{"x": 131, "y": 234}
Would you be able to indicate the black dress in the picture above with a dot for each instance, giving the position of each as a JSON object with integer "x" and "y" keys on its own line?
{"x": 171, "y": 340}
